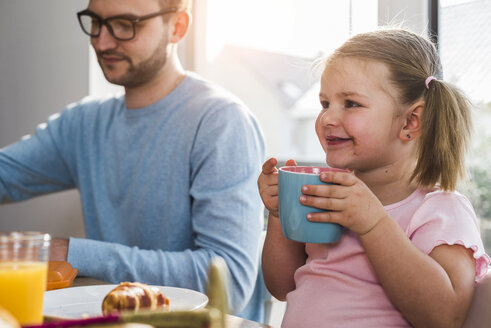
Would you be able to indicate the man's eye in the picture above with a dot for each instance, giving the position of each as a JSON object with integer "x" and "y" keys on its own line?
{"x": 121, "y": 25}
{"x": 325, "y": 104}
{"x": 349, "y": 104}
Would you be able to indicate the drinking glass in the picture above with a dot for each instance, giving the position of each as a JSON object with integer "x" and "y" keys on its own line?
{"x": 23, "y": 271}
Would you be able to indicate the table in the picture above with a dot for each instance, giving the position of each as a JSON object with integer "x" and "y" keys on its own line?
{"x": 231, "y": 320}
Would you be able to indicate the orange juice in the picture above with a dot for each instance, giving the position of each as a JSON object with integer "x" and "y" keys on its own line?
{"x": 22, "y": 286}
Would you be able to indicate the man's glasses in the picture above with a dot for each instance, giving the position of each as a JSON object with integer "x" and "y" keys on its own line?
{"x": 121, "y": 27}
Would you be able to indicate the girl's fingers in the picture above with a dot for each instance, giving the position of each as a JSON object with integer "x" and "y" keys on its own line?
{"x": 269, "y": 166}
{"x": 341, "y": 178}
{"x": 323, "y": 203}
{"x": 268, "y": 191}
{"x": 272, "y": 203}
{"x": 291, "y": 162}
{"x": 266, "y": 180}
{"x": 271, "y": 190}
{"x": 330, "y": 216}
{"x": 329, "y": 191}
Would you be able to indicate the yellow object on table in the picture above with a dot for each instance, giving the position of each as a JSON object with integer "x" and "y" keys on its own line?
{"x": 23, "y": 273}
{"x": 22, "y": 286}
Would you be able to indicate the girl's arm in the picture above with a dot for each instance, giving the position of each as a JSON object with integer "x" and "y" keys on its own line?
{"x": 430, "y": 290}
{"x": 280, "y": 259}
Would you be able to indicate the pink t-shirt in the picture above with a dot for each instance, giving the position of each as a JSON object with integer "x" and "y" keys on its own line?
{"x": 337, "y": 287}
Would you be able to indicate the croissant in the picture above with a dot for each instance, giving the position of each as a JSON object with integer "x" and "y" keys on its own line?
{"x": 134, "y": 296}
{"x": 7, "y": 320}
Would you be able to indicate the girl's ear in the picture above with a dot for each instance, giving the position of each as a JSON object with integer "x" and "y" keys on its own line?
{"x": 412, "y": 126}
{"x": 179, "y": 23}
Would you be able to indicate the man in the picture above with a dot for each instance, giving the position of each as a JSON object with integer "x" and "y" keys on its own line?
{"x": 166, "y": 173}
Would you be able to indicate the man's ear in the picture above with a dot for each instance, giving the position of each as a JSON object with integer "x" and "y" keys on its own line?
{"x": 179, "y": 24}
{"x": 411, "y": 128}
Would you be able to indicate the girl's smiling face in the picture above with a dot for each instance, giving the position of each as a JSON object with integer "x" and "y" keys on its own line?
{"x": 361, "y": 117}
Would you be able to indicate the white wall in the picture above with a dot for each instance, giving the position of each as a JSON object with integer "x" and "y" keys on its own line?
{"x": 43, "y": 67}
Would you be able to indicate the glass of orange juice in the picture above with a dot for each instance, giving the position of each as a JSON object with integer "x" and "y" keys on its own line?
{"x": 23, "y": 271}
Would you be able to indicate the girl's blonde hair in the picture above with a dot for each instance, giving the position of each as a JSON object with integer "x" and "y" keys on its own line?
{"x": 446, "y": 120}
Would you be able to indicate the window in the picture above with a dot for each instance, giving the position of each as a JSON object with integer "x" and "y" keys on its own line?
{"x": 263, "y": 51}
{"x": 465, "y": 44}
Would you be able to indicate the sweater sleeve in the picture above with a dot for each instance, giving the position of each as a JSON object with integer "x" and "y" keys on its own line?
{"x": 226, "y": 217}
{"x": 35, "y": 164}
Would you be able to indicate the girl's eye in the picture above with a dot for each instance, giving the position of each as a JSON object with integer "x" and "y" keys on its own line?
{"x": 325, "y": 104}
{"x": 350, "y": 104}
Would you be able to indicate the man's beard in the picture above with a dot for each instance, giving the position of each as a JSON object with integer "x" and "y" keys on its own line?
{"x": 141, "y": 73}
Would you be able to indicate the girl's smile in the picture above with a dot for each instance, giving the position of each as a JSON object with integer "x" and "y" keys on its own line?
{"x": 333, "y": 141}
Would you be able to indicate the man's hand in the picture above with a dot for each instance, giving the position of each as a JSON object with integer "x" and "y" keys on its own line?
{"x": 58, "y": 249}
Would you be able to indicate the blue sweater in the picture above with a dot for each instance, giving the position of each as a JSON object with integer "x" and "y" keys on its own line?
{"x": 163, "y": 188}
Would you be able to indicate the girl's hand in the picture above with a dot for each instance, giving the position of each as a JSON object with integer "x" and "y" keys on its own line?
{"x": 349, "y": 201}
{"x": 268, "y": 184}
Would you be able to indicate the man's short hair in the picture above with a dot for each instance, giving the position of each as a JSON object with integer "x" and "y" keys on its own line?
{"x": 179, "y": 4}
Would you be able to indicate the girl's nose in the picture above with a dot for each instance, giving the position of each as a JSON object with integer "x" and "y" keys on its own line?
{"x": 104, "y": 41}
{"x": 330, "y": 117}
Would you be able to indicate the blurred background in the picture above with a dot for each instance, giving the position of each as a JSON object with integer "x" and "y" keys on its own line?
{"x": 261, "y": 50}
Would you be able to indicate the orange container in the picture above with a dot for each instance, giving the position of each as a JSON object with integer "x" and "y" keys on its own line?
{"x": 60, "y": 274}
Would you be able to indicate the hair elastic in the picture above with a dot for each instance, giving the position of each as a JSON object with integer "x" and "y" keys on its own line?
{"x": 428, "y": 80}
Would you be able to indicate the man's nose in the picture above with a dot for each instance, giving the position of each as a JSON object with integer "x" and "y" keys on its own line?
{"x": 105, "y": 40}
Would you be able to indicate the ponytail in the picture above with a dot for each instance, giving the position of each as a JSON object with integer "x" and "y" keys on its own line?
{"x": 445, "y": 133}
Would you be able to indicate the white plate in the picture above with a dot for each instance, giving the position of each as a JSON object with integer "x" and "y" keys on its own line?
{"x": 77, "y": 302}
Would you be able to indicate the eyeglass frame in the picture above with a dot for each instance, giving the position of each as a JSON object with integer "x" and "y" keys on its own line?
{"x": 131, "y": 18}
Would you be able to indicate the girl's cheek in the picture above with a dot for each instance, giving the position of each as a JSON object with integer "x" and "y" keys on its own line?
{"x": 319, "y": 129}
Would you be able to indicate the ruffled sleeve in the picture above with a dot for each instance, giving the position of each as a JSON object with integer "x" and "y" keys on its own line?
{"x": 448, "y": 218}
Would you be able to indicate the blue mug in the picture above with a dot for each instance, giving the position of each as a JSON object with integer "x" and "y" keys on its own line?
{"x": 293, "y": 215}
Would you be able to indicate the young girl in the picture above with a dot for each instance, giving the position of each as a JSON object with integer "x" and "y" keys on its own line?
{"x": 412, "y": 252}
